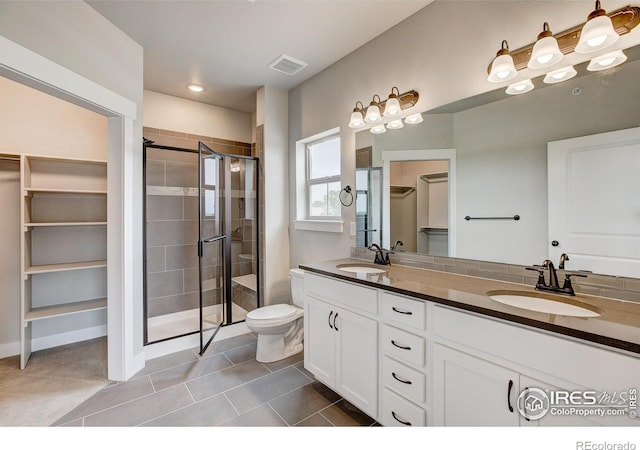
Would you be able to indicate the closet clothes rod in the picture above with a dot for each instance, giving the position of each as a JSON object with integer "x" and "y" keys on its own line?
{"x": 516, "y": 217}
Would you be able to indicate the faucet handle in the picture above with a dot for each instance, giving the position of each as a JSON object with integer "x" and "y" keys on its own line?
{"x": 540, "y": 270}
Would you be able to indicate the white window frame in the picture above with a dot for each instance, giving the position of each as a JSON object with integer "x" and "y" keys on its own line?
{"x": 305, "y": 222}
{"x": 318, "y": 181}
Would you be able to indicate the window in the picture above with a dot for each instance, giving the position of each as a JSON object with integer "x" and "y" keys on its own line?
{"x": 323, "y": 178}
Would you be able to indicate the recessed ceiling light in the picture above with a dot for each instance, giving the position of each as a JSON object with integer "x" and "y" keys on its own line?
{"x": 195, "y": 88}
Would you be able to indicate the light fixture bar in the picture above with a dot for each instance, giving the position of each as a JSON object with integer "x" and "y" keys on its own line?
{"x": 624, "y": 20}
{"x": 406, "y": 99}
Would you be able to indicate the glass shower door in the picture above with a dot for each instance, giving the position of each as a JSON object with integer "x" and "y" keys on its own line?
{"x": 211, "y": 244}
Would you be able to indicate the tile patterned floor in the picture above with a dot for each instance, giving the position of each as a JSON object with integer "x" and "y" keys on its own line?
{"x": 224, "y": 387}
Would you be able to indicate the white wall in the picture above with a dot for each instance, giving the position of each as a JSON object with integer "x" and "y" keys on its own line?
{"x": 442, "y": 51}
{"x": 273, "y": 110}
{"x": 76, "y": 37}
{"x": 167, "y": 112}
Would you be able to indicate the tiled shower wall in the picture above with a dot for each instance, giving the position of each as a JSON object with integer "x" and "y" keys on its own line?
{"x": 622, "y": 288}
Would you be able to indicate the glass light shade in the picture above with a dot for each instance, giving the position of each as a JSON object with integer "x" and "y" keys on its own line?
{"x": 556, "y": 76}
{"x": 378, "y": 129}
{"x": 545, "y": 53}
{"x": 413, "y": 119}
{"x": 502, "y": 69}
{"x": 373, "y": 114}
{"x": 356, "y": 121}
{"x": 392, "y": 107}
{"x": 520, "y": 87}
{"x": 607, "y": 61}
{"x": 395, "y": 124}
{"x": 596, "y": 34}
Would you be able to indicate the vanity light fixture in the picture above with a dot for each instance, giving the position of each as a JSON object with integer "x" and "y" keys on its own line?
{"x": 520, "y": 87}
{"x": 558, "y": 75}
{"x": 195, "y": 88}
{"x": 502, "y": 67}
{"x": 607, "y": 61}
{"x": 377, "y": 109}
{"x": 378, "y": 129}
{"x": 545, "y": 52}
{"x": 597, "y": 33}
{"x": 623, "y": 21}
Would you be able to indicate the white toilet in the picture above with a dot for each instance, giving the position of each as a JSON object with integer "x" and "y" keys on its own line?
{"x": 280, "y": 327}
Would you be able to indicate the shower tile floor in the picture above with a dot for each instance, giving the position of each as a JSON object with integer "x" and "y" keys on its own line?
{"x": 224, "y": 387}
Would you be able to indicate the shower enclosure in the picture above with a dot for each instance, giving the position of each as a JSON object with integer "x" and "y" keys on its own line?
{"x": 201, "y": 231}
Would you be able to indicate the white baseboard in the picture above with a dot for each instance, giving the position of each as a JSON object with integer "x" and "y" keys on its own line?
{"x": 9, "y": 349}
{"x": 192, "y": 341}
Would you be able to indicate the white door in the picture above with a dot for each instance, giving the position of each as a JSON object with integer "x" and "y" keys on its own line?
{"x": 357, "y": 368}
{"x": 469, "y": 391}
{"x": 594, "y": 202}
{"x": 319, "y": 340}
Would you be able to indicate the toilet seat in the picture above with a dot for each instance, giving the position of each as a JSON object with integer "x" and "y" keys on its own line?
{"x": 272, "y": 312}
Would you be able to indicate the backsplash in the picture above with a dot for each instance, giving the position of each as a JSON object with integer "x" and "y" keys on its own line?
{"x": 595, "y": 284}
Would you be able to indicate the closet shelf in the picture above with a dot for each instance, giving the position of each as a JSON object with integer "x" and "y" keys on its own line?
{"x": 63, "y": 267}
{"x": 47, "y": 312}
{"x": 63, "y": 224}
{"x": 30, "y": 191}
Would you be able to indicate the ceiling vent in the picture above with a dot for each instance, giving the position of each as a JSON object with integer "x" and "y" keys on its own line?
{"x": 287, "y": 64}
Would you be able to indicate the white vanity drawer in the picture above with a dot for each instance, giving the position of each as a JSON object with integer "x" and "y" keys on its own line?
{"x": 404, "y": 380}
{"x": 404, "y": 346}
{"x": 404, "y": 310}
{"x": 342, "y": 293}
{"x": 399, "y": 412}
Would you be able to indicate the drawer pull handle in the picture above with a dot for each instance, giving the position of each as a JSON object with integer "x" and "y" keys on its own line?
{"x": 399, "y": 311}
{"x": 330, "y": 314}
{"x": 393, "y": 413}
{"x": 400, "y": 346}
{"x": 334, "y": 322}
{"x": 509, "y": 395}
{"x": 393, "y": 374}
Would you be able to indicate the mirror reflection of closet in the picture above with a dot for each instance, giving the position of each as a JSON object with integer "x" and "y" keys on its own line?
{"x": 368, "y": 200}
{"x": 419, "y": 206}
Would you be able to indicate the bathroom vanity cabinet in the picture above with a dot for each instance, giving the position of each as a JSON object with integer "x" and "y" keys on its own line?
{"x": 64, "y": 248}
{"x": 435, "y": 364}
{"x": 341, "y": 339}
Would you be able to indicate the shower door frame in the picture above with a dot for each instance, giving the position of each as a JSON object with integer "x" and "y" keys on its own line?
{"x": 227, "y": 300}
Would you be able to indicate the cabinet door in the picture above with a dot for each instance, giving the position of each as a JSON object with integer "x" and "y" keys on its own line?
{"x": 357, "y": 356}
{"x": 469, "y": 391}
{"x": 319, "y": 340}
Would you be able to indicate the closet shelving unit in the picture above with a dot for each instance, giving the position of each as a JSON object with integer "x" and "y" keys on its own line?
{"x": 64, "y": 242}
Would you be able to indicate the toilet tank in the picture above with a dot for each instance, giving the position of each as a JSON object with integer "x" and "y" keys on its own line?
{"x": 297, "y": 286}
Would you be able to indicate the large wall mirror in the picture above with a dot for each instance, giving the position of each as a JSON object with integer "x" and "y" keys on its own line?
{"x": 499, "y": 146}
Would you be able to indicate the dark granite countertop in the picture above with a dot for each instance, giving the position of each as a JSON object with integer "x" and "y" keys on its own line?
{"x": 617, "y": 326}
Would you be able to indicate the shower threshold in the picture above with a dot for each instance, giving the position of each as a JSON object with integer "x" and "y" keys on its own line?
{"x": 184, "y": 322}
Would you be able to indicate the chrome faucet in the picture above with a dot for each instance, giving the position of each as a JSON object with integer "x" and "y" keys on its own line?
{"x": 381, "y": 256}
{"x": 553, "y": 286}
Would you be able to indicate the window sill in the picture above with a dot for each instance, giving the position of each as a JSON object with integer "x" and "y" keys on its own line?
{"x": 325, "y": 226}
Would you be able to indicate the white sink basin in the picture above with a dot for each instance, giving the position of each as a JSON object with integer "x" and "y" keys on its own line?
{"x": 360, "y": 268}
{"x": 544, "y": 303}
